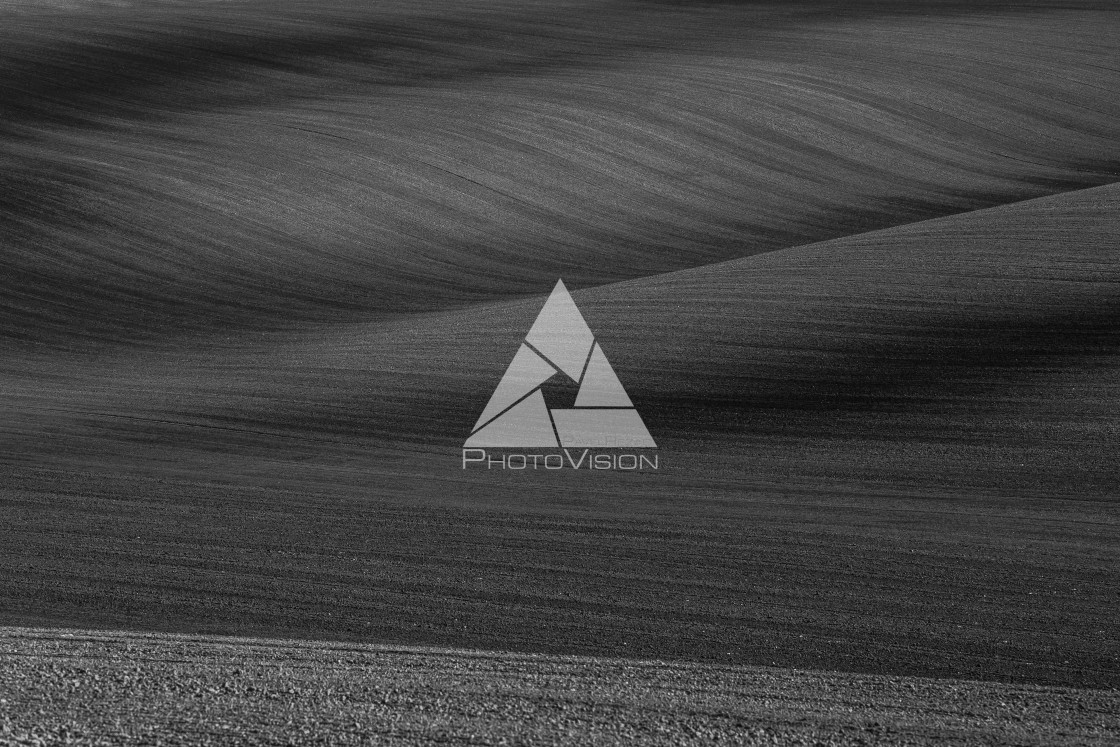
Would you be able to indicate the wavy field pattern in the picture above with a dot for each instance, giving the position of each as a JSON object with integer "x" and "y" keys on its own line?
{"x": 856, "y": 265}
{"x": 355, "y": 167}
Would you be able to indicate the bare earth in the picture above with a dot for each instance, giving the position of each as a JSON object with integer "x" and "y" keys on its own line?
{"x": 92, "y": 687}
{"x": 856, "y": 262}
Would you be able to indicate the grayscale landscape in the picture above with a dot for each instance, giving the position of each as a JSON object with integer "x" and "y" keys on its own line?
{"x": 857, "y": 265}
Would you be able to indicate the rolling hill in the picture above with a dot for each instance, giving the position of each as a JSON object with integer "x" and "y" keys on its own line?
{"x": 855, "y": 263}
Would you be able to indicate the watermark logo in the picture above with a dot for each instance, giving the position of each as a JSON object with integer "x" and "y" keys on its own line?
{"x": 559, "y": 344}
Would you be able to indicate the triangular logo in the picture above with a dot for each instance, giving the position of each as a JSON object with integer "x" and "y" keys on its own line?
{"x": 560, "y": 342}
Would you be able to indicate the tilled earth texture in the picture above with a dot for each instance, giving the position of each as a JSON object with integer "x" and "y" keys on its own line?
{"x": 84, "y": 687}
{"x": 855, "y": 262}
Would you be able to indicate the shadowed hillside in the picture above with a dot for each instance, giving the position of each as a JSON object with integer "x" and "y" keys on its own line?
{"x": 857, "y": 437}
{"x": 855, "y": 265}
